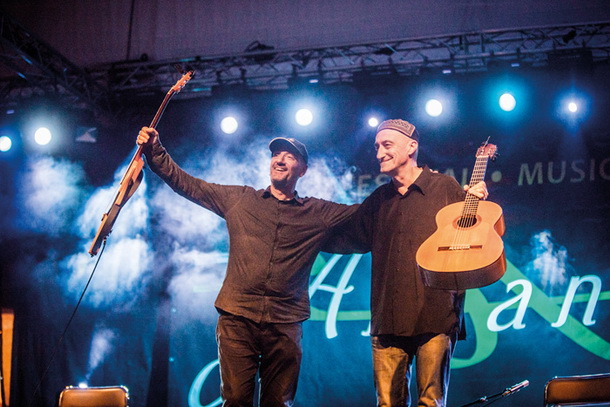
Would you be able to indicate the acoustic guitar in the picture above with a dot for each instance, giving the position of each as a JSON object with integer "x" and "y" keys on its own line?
{"x": 466, "y": 250}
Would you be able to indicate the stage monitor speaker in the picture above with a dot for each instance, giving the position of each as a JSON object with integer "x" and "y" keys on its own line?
{"x": 6, "y": 333}
{"x": 106, "y": 396}
{"x": 580, "y": 390}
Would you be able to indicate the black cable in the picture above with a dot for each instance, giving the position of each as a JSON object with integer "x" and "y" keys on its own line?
{"x": 61, "y": 338}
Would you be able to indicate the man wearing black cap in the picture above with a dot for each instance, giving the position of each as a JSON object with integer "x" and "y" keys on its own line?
{"x": 409, "y": 321}
{"x": 274, "y": 237}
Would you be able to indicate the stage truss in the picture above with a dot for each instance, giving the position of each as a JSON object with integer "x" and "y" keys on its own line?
{"x": 39, "y": 70}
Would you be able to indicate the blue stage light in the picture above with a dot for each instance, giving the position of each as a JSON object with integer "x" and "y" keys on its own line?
{"x": 572, "y": 107}
{"x": 507, "y": 102}
{"x": 304, "y": 117}
{"x": 229, "y": 125}
{"x": 5, "y": 144}
{"x": 434, "y": 107}
{"x": 43, "y": 136}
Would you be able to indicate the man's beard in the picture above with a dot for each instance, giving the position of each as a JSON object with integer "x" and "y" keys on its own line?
{"x": 280, "y": 183}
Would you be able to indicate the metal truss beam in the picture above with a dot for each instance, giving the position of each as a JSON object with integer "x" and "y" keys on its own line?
{"x": 468, "y": 52}
{"x": 264, "y": 68}
{"x": 42, "y": 71}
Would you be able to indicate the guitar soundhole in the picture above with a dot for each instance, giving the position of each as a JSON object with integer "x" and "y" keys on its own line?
{"x": 467, "y": 221}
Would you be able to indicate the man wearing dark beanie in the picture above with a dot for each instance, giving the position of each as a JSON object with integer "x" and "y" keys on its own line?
{"x": 409, "y": 321}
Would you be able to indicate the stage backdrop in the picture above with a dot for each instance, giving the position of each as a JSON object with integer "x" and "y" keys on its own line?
{"x": 147, "y": 319}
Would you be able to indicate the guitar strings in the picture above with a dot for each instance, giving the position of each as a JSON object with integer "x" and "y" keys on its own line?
{"x": 471, "y": 204}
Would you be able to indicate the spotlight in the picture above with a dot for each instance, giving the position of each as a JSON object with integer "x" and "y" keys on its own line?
{"x": 434, "y": 107}
{"x": 229, "y": 125}
{"x": 572, "y": 107}
{"x": 304, "y": 117}
{"x": 5, "y": 144}
{"x": 507, "y": 102}
{"x": 373, "y": 122}
{"x": 43, "y": 136}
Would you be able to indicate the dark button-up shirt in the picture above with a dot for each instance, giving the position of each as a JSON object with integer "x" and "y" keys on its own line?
{"x": 393, "y": 226}
{"x": 273, "y": 243}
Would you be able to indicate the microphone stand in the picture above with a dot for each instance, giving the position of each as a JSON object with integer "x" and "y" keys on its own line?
{"x": 485, "y": 400}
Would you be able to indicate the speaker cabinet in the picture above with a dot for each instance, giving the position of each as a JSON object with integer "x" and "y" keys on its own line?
{"x": 108, "y": 396}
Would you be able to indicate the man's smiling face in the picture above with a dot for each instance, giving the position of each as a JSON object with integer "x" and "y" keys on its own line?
{"x": 393, "y": 150}
{"x": 286, "y": 168}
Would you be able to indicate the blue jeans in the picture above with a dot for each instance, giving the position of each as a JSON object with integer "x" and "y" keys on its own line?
{"x": 245, "y": 347}
{"x": 392, "y": 360}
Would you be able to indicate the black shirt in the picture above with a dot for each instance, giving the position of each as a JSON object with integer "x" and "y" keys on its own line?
{"x": 273, "y": 243}
{"x": 393, "y": 226}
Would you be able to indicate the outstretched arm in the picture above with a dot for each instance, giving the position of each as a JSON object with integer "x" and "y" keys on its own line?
{"x": 350, "y": 236}
{"x": 217, "y": 198}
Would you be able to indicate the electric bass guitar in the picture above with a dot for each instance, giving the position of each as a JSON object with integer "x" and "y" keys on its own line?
{"x": 466, "y": 250}
{"x": 133, "y": 175}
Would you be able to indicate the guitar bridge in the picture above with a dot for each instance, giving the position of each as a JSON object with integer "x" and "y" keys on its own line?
{"x": 459, "y": 247}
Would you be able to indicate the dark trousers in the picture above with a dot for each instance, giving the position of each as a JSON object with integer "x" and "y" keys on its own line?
{"x": 245, "y": 347}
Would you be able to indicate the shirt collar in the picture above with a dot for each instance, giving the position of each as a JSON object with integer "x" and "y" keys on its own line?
{"x": 266, "y": 193}
{"x": 420, "y": 184}
{"x": 423, "y": 181}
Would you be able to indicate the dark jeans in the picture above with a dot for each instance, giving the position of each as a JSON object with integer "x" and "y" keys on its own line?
{"x": 392, "y": 360}
{"x": 245, "y": 347}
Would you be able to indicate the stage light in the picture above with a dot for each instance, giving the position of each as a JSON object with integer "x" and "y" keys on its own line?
{"x": 43, "y": 136}
{"x": 5, "y": 144}
{"x": 373, "y": 122}
{"x": 434, "y": 107}
{"x": 83, "y": 385}
{"x": 572, "y": 107}
{"x": 229, "y": 125}
{"x": 304, "y": 117}
{"x": 507, "y": 102}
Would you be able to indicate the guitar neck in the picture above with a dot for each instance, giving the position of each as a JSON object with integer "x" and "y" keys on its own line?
{"x": 478, "y": 175}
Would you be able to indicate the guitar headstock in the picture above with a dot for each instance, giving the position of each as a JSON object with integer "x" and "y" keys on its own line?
{"x": 487, "y": 150}
{"x": 182, "y": 82}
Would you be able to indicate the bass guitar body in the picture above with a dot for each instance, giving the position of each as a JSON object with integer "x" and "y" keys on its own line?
{"x": 464, "y": 252}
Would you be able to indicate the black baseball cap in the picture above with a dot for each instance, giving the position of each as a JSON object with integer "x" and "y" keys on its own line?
{"x": 289, "y": 144}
